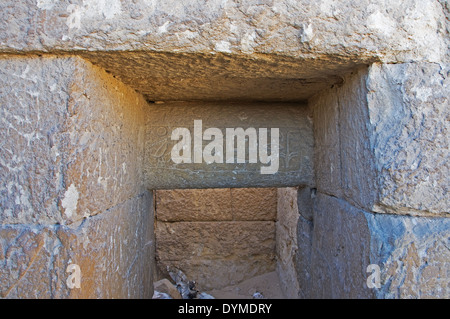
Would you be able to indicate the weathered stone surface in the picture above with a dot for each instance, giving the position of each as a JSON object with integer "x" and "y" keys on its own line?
{"x": 345, "y": 160}
{"x": 395, "y": 32}
{"x": 73, "y": 140}
{"x": 295, "y": 149}
{"x": 413, "y": 255}
{"x": 216, "y": 254}
{"x": 286, "y": 241}
{"x": 327, "y": 146}
{"x": 165, "y": 286}
{"x": 219, "y": 273}
{"x": 114, "y": 251}
{"x": 335, "y": 249}
{"x": 212, "y": 240}
{"x": 408, "y": 107}
{"x": 340, "y": 250}
{"x": 268, "y": 51}
{"x": 381, "y": 139}
{"x": 254, "y": 203}
{"x": 194, "y": 205}
{"x": 222, "y": 77}
{"x": 217, "y": 204}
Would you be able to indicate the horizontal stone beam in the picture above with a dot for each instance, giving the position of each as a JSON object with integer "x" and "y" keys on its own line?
{"x": 218, "y": 160}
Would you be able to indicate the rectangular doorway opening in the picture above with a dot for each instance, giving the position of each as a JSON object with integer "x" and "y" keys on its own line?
{"x": 226, "y": 239}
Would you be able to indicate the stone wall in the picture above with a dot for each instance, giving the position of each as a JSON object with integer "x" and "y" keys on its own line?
{"x": 380, "y": 188}
{"x": 72, "y": 182}
{"x": 75, "y": 126}
{"x": 295, "y": 145}
{"x": 217, "y": 237}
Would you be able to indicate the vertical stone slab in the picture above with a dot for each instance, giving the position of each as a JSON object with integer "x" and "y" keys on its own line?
{"x": 113, "y": 250}
{"x": 408, "y": 107}
{"x": 73, "y": 140}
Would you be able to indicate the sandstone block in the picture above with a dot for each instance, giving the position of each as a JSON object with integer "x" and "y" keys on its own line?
{"x": 254, "y": 203}
{"x": 165, "y": 286}
{"x": 113, "y": 250}
{"x": 194, "y": 205}
{"x": 286, "y": 241}
{"x": 214, "y": 240}
{"x": 295, "y": 145}
{"x": 73, "y": 140}
{"x": 408, "y": 108}
{"x": 222, "y": 272}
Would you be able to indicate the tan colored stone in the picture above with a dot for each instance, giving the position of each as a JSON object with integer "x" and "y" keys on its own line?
{"x": 114, "y": 251}
{"x": 286, "y": 241}
{"x": 216, "y": 254}
{"x": 165, "y": 286}
{"x": 193, "y": 205}
{"x": 254, "y": 203}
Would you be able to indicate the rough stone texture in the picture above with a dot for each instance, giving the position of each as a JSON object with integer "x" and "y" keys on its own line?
{"x": 297, "y": 48}
{"x": 165, "y": 286}
{"x": 113, "y": 249}
{"x": 217, "y": 204}
{"x": 413, "y": 254}
{"x": 412, "y": 29}
{"x": 72, "y": 182}
{"x": 409, "y": 113}
{"x": 335, "y": 249}
{"x": 295, "y": 145}
{"x": 72, "y": 135}
{"x": 343, "y": 153}
{"x": 72, "y": 140}
{"x": 254, "y": 203}
{"x": 221, "y": 77}
{"x": 381, "y": 139}
{"x": 217, "y": 237}
{"x": 194, "y": 205}
{"x": 286, "y": 241}
{"x": 216, "y": 254}
{"x": 340, "y": 251}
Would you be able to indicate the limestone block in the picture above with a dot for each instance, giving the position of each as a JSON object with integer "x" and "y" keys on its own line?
{"x": 216, "y": 254}
{"x": 113, "y": 251}
{"x": 73, "y": 140}
{"x": 194, "y": 205}
{"x": 286, "y": 241}
{"x": 254, "y": 203}
{"x": 336, "y": 249}
{"x": 408, "y": 108}
{"x": 295, "y": 145}
{"x": 343, "y": 153}
{"x": 415, "y": 29}
{"x": 358, "y": 177}
{"x": 214, "y": 240}
{"x": 327, "y": 150}
{"x": 413, "y": 255}
{"x": 340, "y": 250}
